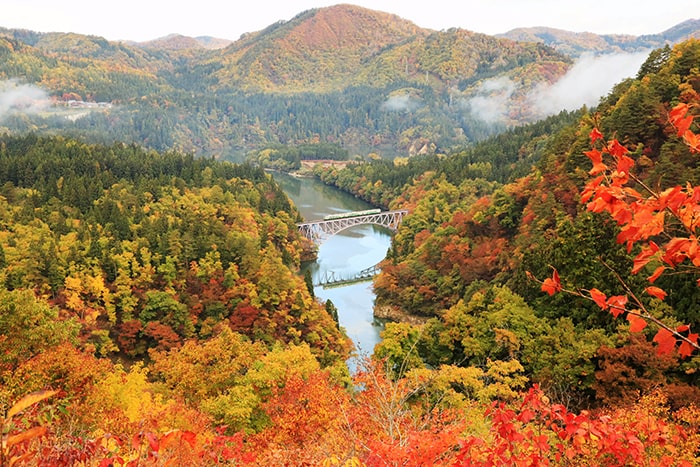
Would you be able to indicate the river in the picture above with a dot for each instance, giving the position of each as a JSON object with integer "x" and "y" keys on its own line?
{"x": 344, "y": 254}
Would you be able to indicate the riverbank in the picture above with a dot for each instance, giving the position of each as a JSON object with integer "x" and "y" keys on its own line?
{"x": 395, "y": 315}
{"x": 308, "y": 165}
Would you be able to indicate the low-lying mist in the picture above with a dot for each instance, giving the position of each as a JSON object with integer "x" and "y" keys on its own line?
{"x": 16, "y": 97}
{"x": 587, "y": 81}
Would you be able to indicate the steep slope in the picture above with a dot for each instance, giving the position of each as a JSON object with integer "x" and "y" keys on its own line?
{"x": 455, "y": 58}
{"x": 90, "y": 66}
{"x": 683, "y": 31}
{"x": 318, "y": 48}
{"x": 344, "y": 45}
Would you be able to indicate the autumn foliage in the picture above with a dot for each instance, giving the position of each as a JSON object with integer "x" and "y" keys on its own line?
{"x": 540, "y": 433}
{"x": 662, "y": 224}
{"x": 315, "y": 422}
{"x": 157, "y": 320}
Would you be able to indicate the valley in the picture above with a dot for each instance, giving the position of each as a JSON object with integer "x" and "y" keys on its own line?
{"x": 538, "y": 300}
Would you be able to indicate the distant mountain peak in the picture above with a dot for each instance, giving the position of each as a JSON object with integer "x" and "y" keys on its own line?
{"x": 346, "y": 25}
{"x": 180, "y": 42}
{"x": 576, "y": 43}
{"x": 682, "y": 31}
{"x": 320, "y": 48}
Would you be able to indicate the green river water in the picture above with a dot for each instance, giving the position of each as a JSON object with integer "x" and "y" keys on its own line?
{"x": 345, "y": 254}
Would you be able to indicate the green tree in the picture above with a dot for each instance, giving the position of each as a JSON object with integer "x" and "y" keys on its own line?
{"x": 28, "y": 326}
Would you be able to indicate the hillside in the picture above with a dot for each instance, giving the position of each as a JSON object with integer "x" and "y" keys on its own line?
{"x": 336, "y": 47}
{"x": 476, "y": 236}
{"x": 322, "y": 48}
{"x": 366, "y": 80}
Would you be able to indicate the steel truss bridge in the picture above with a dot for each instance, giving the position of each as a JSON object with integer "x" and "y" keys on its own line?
{"x": 331, "y": 279}
{"x": 319, "y": 231}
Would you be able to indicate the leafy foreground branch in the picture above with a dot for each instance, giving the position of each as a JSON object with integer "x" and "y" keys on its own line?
{"x": 663, "y": 223}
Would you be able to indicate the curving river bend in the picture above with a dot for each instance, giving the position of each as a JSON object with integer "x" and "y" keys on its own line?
{"x": 345, "y": 254}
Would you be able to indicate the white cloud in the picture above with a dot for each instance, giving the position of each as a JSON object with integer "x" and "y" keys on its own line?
{"x": 591, "y": 78}
{"x": 399, "y": 103}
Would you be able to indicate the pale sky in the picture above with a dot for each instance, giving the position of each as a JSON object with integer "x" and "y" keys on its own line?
{"x": 142, "y": 20}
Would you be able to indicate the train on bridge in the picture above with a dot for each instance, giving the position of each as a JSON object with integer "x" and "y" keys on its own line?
{"x": 344, "y": 215}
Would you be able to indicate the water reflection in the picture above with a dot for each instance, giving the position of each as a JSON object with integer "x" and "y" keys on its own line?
{"x": 345, "y": 254}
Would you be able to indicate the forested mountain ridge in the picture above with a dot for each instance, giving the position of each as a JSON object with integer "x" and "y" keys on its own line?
{"x": 366, "y": 80}
{"x": 332, "y": 48}
{"x": 318, "y": 49}
{"x": 577, "y": 43}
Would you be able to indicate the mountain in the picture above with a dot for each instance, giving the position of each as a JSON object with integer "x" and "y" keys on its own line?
{"x": 362, "y": 79}
{"x": 321, "y": 47}
{"x": 344, "y": 45}
{"x": 577, "y": 43}
{"x": 682, "y": 31}
{"x": 180, "y": 42}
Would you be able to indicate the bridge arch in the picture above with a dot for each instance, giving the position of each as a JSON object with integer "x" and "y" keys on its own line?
{"x": 319, "y": 231}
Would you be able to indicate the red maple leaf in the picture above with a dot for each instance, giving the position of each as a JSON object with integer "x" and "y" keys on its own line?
{"x": 599, "y": 298}
{"x": 656, "y": 292}
{"x": 637, "y": 323}
{"x": 617, "y": 304}
{"x": 657, "y": 272}
{"x": 686, "y": 349}
{"x": 666, "y": 341}
{"x": 595, "y": 135}
{"x": 552, "y": 285}
{"x": 597, "y": 158}
{"x": 616, "y": 149}
{"x": 680, "y": 119}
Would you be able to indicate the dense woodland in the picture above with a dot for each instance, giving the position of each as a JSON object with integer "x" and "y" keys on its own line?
{"x": 152, "y": 313}
{"x": 460, "y": 259}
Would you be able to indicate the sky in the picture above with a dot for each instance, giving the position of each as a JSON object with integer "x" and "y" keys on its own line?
{"x": 142, "y": 20}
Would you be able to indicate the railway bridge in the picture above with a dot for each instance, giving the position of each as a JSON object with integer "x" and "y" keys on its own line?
{"x": 320, "y": 230}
